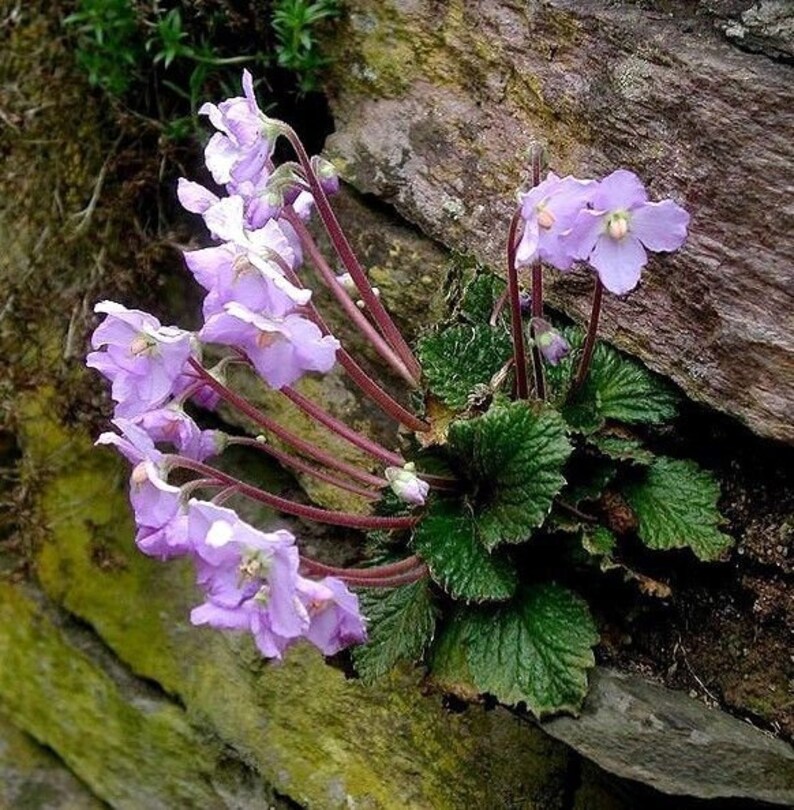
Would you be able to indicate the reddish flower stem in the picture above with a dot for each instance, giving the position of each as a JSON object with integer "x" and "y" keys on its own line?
{"x": 365, "y": 383}
{"x": 338, "y": 427}
{"x": 288, "y": 460}
{"x": 346, "y": 302}
{"x": 316, "y": 568}
{"x": 589, "y": 343}
{"x": 351, "y": 263}
{"x": 288, "y": 507}
{"x": 354, "y": 577}
{"x": 369, "y": 387}
{"x": 536, "y": 160}
{"x": 516, "y": 325}
{"x": 301, "y": 445}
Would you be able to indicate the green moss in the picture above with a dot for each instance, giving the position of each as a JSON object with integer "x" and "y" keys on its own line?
{"x": 32, "y": 778}
{"x": 127, "y": 750}
{"x": 317, "y": 737}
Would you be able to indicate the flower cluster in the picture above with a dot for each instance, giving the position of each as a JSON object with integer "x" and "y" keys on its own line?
{"x": 608, "y": 223}
{"x": 256, "y": 305}
{"x": 259, "y": 313}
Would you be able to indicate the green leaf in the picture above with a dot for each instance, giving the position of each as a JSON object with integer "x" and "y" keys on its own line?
{"x": 401, "y": 622}
{"x": 449, "y": 667}
{"x": 480, "y": 297}
{"x": 616, "y": 387}
{"x": 619, "y": 448}
{"x": 458, "y": 359}
{"x": 514, "y": 455}
{"x": 536, "y": 649}
{"x": 446, "y": 539}
{"x": 598, "y": 541}
{"x": 626, "y": 390}
{"x": 676, "y": 506}
{"x": 582, "y": 411}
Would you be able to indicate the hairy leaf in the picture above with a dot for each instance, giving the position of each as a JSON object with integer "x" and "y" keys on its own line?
{"x": 401, "y": 622}
{"x": 536, "y": 649}
{"x": 480, "y": 297}
{"x": 449, "y": 667}
{"x": 598, "y": 541}
{"x": 514, "y": 456}
{"x": 626, "y": 390}
{"x": 616, "y": 387}
{"x": 622, "y": 449}
{"x": 458, "y": 359}
{"x": 676, "y": 506}
{"x": 446, "y": 539}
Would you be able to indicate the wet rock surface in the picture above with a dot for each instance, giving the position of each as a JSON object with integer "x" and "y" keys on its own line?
{"x": 436, "y": 103}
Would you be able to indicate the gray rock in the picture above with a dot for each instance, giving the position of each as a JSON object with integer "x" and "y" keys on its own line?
{"x": 766, "y": 27}
{"x": 651, "y": 734}
{"x": 32, "y": 778}
{"x": 435, "y": 105}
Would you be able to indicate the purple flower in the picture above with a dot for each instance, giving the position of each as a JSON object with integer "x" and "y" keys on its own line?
{"x": 548, "y": 210}
{"x": 281, "y": 349}
{"x": 250, "y": 578}
{"x": 303, "y": 204}
{"x": 336, "y": 621}
{"x": 141, "y": 358}
{"x": 240, "y": 150}
{"x": 406, "y": 485}
{"x": 156, "y": 504}
{"x": 194, "y": 197}
{"x": 174, "y": 426}
{"x": 230, "y": 272}
{"x": 552, "y": 345}
{"x": 134, "y": 443}
{"x": 160, "y": 513}
{"x": 188, "y": 386}
{"x": 622, "y": 224}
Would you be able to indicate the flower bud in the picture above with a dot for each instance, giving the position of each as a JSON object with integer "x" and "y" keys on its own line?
{"x": 406, "y": 485}
{"x": 346, "y": 281}
{"x": 326, "y": 174}
{"x": 552, "y": 345}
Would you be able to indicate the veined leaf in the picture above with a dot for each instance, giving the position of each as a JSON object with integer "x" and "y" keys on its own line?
{"x": 676, "y": 506}
{"x": 619, "y": 448}
{"x": 401, "y": 622}
{"x": 459, "y": 358}
{"x": 536, "y": 649}
{"x": 446, "y": 539}
{"x": 598, "y": 541}
{"x": 514, "y": 455}
{"x": 616, "y": 387}
{"x": 480, "y": 297}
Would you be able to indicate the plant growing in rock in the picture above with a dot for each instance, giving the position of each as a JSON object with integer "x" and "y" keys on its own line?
{"x": 518, "y": 473}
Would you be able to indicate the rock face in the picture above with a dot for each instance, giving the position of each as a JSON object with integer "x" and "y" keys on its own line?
{"x": 649, "y": 734}
{"x": 436, "y": 103}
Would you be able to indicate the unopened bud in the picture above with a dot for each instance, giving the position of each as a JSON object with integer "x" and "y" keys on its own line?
{"x": 552, "y": 345}
{"x": 326, "y": 174}
{"x": 406, "y": 485}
